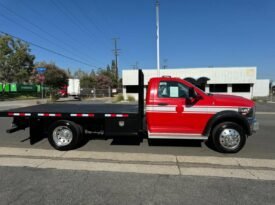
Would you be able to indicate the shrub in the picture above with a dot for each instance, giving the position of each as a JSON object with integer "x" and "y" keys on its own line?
{"x": 119, "y": 98}
{"x": 54, "y": 95}
{"x": 131, "y": 98}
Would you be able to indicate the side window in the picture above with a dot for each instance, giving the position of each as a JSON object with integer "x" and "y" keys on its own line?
{"x": 172, "y": 89}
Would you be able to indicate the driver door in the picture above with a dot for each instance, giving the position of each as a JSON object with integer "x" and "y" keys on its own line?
{"x": 168, "y": 114}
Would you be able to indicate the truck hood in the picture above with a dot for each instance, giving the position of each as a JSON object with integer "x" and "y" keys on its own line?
{"x": 231, "y": 100}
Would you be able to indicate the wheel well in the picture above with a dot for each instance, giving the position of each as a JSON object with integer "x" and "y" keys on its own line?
{"x": 47, "y": 122}
{"x": 230, "y": 119}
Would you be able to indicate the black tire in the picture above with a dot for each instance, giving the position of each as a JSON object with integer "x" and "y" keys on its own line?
{"x": 217, "y": 131}
{"x": 75, "y": 129}
{"x": 82, "y": 138}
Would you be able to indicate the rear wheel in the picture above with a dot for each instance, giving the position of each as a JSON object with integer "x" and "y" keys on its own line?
{"x": 228, "y": 137}
{"x": 65, "y": 135}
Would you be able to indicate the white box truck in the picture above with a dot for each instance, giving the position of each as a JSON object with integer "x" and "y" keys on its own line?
{"x": 74, "y": 88}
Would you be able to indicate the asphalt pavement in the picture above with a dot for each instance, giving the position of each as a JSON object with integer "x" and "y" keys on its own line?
{"x": 64, "y": 187}
{"x": 265, "y": 107}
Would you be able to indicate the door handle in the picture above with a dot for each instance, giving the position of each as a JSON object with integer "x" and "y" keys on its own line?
{"x": 162, "y": 104}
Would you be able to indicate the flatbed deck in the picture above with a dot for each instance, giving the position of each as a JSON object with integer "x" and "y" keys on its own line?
{"x": 73, "y": 110}
{"x": 66, "y": 124}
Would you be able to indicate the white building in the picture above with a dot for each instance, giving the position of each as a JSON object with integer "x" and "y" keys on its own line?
{"x": 230, "y": 80}
{"x": 261, "y": 88}
{"x": 273, "y": 87}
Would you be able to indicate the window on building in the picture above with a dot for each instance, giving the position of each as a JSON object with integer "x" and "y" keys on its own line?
{"x": 172, "y": 89}
{"x": 131, "y": 89}
{"x": 240, "y": 88}
{"x": 218, "y": 88}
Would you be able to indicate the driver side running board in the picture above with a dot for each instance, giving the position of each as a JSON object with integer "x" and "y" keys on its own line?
{"x": 186, "y": 136}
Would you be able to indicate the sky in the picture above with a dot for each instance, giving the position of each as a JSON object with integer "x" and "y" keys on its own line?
{"x": 193, "y": 33}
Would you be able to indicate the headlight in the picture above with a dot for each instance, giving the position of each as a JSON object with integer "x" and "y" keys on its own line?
{"x": 247, "y": 112}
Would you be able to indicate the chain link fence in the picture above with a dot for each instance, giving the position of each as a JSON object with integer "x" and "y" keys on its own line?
{"x": 100, "y": 93}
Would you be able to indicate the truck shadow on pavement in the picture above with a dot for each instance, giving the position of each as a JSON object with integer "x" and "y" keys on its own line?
{"x": 175, "y": 143}
{"x": 136, "y": 141}
{"x": 130, "y": 141}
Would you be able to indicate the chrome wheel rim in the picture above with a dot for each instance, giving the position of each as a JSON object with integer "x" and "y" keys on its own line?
{"x": 62, "y": 136}
{"x": 230, "y": 139}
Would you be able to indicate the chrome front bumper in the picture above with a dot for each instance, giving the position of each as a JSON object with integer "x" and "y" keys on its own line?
{"x": 254, "y": 125}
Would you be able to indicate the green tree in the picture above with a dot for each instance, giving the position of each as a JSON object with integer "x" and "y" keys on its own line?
{"x": 110, "y": 73}
{"x": 69, "y": 73}
{"x": 88, "y": 81}
{"x": 103, "y": 82}
{"x": 101, "y": 79}
{"x": 114, "y": 67}
{"x": 79, "y": 73}
{"x": 116, "y": 80}
{"x": 108, "y": 68}
{"x": 55, "y": 77}
{"x": 16, "y": 62}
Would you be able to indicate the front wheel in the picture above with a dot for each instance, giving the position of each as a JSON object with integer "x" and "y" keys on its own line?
{"x": 64, "y": 135}
{"x": 228, "y": 137}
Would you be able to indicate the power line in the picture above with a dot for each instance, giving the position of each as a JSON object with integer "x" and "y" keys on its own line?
{"x": 99, "y": 9}
{"x": 31, "y": 31}
{"x": 28, "y": 21}
{"x": 26, "y": 28}
{"x": 49, "y": 50}
{"x": 36, "y": 26}
{"x": 56, "y": 26}
{"x": 89, "y": 18}
{"x": 67, "y": 12}
{"x": 135, "y": 66}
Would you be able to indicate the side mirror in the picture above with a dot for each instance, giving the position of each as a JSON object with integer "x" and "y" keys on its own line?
{"x": 192, "y": 93}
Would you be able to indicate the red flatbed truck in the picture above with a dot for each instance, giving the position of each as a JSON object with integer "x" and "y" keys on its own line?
{"x": 175, "y": 109}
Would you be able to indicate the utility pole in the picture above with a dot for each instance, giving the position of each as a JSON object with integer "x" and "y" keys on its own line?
{"x": 116, "y": 53}
{"x": 157, "y": 24}
{"x": 135, "y": 66}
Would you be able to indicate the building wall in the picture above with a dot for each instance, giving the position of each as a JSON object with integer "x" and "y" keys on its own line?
{"x": 230, "y": 77}
{"x": 216, "y": 75}
{"x": 261, "y": 88}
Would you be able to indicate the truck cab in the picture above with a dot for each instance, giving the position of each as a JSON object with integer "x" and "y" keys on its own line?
{"x": 176, "y": 109}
